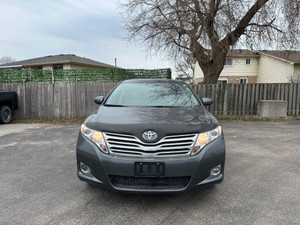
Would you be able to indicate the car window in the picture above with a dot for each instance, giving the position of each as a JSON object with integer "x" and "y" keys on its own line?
{"x": 155, "y": 94}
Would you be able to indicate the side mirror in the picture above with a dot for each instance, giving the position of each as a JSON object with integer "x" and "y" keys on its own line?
{"x": 207, "y": 101}
{"x": 98, "y": 100}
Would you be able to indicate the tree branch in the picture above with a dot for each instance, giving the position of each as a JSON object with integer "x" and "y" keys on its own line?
{"x": 232, "y": 37}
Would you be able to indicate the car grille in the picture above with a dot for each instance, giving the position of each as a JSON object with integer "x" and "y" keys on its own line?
{"x": 149, "y": 182}
{"x": 128, "y": 145}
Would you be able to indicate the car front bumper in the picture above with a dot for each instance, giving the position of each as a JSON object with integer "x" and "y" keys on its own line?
{"x": 181, "y": 173}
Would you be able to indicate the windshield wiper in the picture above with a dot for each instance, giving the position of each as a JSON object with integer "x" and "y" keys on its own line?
{"x": 112, "y": 105}
{"x": 165, "y": 106}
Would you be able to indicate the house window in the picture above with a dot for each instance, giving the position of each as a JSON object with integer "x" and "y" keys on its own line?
{"x": 228, "y": 62}
{"x": 243, "y": 80}
{"x": 57, "y": 67}
{"x": 248, "y": 61}
{"x": 36, "y": 67}
{"x": 222, "y": 81}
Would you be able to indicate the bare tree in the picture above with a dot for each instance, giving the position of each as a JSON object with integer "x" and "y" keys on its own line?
{"x": 207, "y": 29}
{"x": 185, "y": 67}
{"x": 6, "y": 59}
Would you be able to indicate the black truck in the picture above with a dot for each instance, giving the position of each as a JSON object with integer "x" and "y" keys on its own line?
{"x": 8, "y": 104}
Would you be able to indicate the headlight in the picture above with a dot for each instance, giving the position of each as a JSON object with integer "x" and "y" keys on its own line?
{"x": 94, "y": 136}
{"x": 206, "y": 137}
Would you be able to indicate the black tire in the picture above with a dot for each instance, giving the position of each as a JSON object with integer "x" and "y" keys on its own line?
{"x": 5, "y": 114}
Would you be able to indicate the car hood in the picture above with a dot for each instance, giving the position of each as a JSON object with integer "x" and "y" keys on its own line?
{"x": 164, "y": 121}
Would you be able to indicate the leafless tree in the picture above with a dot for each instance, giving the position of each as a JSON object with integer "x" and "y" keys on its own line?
{"x": 185, "y": 67}
{"x": 6, "y": 59}
{"x": 207, "y": 29}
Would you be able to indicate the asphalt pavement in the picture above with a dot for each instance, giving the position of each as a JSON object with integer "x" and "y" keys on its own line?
{"x": 39, "y": 185}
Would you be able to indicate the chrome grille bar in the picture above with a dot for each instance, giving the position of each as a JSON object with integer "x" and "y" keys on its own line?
{"x": 129, "y": 145}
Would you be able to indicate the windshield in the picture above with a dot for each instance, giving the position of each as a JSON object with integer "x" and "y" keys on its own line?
{"x": 152, "y": 94}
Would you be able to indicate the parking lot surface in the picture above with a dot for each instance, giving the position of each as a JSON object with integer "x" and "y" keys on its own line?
{"x": 39, "y": 184}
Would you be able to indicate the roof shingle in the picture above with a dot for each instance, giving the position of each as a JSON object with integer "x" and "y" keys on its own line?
{"x": 241, "y": 53}
{"x": 292, "y": 56}
{"x": 58, "y": 59}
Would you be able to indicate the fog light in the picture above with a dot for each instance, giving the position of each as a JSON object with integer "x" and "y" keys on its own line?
{"x": 216, "y": 170}
{"x": 84, "y": 168}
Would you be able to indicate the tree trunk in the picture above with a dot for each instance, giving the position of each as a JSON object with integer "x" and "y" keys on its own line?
{"x": 212, "y": 64}
{"x": 212, "y": 70}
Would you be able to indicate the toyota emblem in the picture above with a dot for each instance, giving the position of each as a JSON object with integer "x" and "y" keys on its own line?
{"x": 149, "y": 135}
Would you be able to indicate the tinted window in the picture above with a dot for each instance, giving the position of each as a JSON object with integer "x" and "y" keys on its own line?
{"x": 153, "y": 94}
{"x": 57, "y": 67}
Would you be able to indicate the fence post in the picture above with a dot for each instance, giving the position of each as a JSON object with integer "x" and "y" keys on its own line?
{"x": 56, "y": 100}
{"x": 76, "y": 98}
{"x": 24, "y": 99}
{"x": 298, "y": 99}
{"x": 225, "y": 107}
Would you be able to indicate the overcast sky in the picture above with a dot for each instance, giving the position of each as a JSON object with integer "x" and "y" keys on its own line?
{"x": 87, "y": 28}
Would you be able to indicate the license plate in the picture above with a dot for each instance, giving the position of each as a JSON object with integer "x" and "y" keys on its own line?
{"x": 149, "y": 169}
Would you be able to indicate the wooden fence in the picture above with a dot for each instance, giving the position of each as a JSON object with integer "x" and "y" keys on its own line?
{"x": 242, "y": 99}
{"x": 59, "y": 100}
{"x": 75, "y": 100}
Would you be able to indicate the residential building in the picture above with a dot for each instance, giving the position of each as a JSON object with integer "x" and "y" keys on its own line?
{"x": 278, "y": 66}
{"x": 54, "y": 62}
{"x": 244, "y": 66}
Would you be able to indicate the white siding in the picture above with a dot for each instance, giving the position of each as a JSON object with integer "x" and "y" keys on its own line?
{"x": 273, "y": 70}
{"x": 197, "y": 71}
{"x": 47, "y": 67}
{"x": 78, "y": 66}
{"x": 239, "y": 68}
{"x": 67, "y": 66}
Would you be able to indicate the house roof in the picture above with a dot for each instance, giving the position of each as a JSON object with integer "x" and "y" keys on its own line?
{"x": 292, "y": 56}
{"x": 241, "y": 53}
{"x": 57, "y": 59}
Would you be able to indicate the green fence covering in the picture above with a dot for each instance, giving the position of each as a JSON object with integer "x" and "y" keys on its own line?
{"x": 81, "y": 75}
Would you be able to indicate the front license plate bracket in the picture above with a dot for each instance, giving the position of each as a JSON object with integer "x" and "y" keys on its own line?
{"x": 149, "y": 169}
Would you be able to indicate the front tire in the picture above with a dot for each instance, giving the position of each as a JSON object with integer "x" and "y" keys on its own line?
{"x": 5, "y": 114}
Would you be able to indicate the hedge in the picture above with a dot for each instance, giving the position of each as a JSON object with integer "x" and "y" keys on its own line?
{"x": 81, "y": 75}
